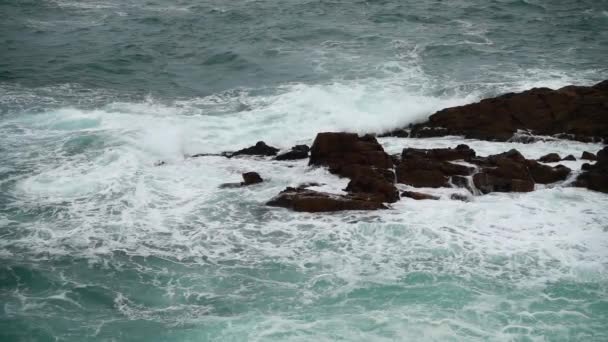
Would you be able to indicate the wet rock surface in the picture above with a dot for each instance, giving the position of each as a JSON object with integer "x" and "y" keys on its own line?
{"x": 550, "y": 158}
{"x": 299, "y": 199}
{"x": 259, "y": 149}
{"x": 418, "y": 195}
{"x": 296, "y": 152}
{"x": 572, "y": 112}
{"x": 595, "y": 177}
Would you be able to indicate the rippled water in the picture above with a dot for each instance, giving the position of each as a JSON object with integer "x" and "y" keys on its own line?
{"x": 97, "y": 243}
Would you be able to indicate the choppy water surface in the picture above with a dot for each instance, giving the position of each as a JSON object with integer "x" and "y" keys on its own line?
{"x": 96, "y": 243}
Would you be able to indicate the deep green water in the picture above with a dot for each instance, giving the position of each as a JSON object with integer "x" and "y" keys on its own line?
{"x": 98, "y": 244}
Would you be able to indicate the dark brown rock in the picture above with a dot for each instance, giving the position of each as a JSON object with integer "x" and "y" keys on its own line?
{"x": 314, "y": 201}
{"x": 487, "y": 183}
{"x": 504, "y": 172}
{"x": 296, "y": 152}
{"x": 570, "y": 158}
{"x": 363, "y": 160}
{"x": 250, "y": 178}
{"x": 596, "y": 176}
{"x": 421, "y": 172}
{"x": 373, "y": 187}
{"x": 578, "y": 112}
{"x": 546, "y": 174}
{"x": 550, "y": 158}
{"x": 462, "y": 151}
{"x": 337, "y": 150}
{"x": 418, "y": 195}
{"x": 430, "y": 167}
{"x": 259, "y": 149}
{"x": 588, "y": 156}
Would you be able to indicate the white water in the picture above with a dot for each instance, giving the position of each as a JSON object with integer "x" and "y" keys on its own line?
{"x": 110, "y": 197}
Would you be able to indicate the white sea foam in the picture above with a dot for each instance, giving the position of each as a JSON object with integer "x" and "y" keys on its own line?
{"x": 112, "y": 198}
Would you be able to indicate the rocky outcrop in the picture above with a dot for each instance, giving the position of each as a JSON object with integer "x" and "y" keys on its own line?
{"x": 545, "y": 174}
{"x": 299, "y": 199}
{"x": 362, "y": 159}
{"x": 596, "y": 176}
{"x": 550, "y": 158}
{"x": 588, "y": 156}
{"x": 373, "y": 188}
{"x": 296, "y": 152}
{"x": 431, "y": 167}
{"x": 505, "y": 172}
{"x": 341, "y": 151}
{"x": 572, "y": 112}
{"x": 569, "y": 158}
{"x": 259, "y": 149}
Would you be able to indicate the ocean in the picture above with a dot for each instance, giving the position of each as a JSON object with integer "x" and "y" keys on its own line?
{"x": 99, "y": 243}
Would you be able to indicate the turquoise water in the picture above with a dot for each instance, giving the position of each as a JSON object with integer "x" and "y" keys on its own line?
{"x": 98, "y": 244}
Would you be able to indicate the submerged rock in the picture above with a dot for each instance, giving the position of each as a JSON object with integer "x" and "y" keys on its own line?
{"x": 249, "y": 178}
{"x": 575, "y": 112}
{"x": 298, "y": 199}
{"x": 418, "y": 195}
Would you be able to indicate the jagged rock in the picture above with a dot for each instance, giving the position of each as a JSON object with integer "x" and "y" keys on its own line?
{"x": 545, "y": 174}
{"x": 250, "y": 178}
{"x": 596, "y": 176}
{"x": 339, "y": 150}
{"x": 296, "y": 152}
{"x": 431, "y": 173}
{"x": 362, "y": 159}
{"x": 504, "y": 172}
{"x": 259, "y": 149}
{"x": 588, "y": 156}
{"x": 570, "y": 158}
{"x": 550, "y": 158}
{"x": 418, "y": 195}
{"x": 487, "y": 183}
{"x": 373, "y": 186}
{"x": 430, "y": 167}
{"x": 315, "y": 201}
{"x": 461, "y": 151}
{"x": 576, "y": 111}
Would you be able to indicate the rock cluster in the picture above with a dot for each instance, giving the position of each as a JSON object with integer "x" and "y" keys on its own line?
{"x": 362, "y": 159}
{"x": 595, "y": 176}
{"x": 572, "y": 112}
